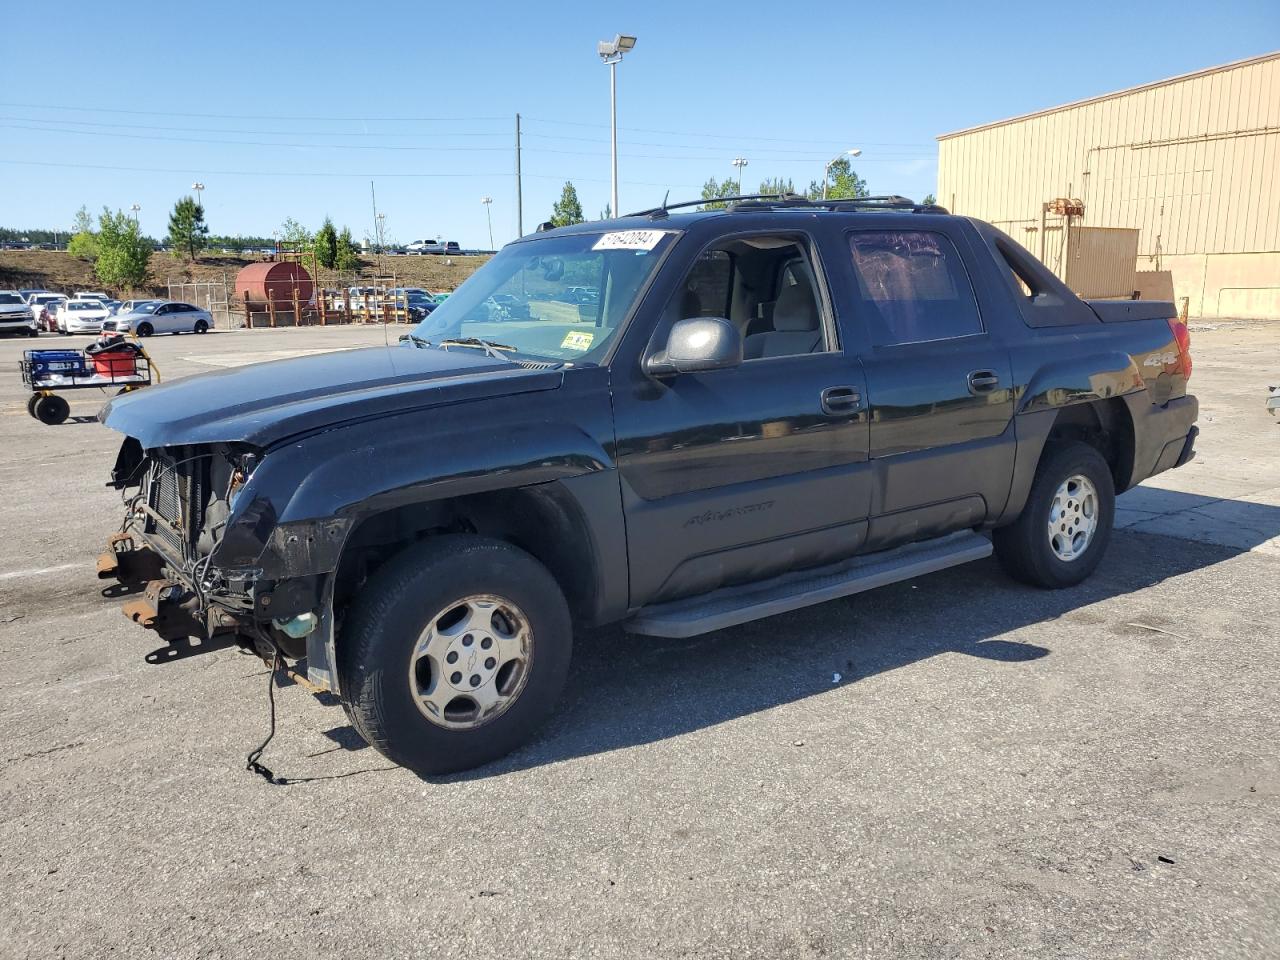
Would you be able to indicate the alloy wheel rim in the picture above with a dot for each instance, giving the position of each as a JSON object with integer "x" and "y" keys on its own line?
{"x": 1073, "y": 518}
{"x": 471, "y": 662}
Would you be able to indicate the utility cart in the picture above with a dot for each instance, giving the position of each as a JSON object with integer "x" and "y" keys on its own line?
{"x": 113, "y": 363}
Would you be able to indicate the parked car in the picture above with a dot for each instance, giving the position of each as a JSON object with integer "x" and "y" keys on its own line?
{"x": 161, "y": 316}
{"x": 451, "y": 247}
{"x": 82, "y": 315}
{"x": 16, "y": 315}
{"x": 44, "y": 309}
{"x": 90, "y": 295}
{"x": 421, "y": 247}
{"x": 29, "y": 293}
{"x": 132, "y": 306}
{"x": 776, "y": 405}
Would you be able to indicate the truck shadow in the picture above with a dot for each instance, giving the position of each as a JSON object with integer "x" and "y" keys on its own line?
{"x": 627, "y": 690}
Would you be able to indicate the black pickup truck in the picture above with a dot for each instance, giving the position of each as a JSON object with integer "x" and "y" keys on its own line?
{"x": 748, "y": 410}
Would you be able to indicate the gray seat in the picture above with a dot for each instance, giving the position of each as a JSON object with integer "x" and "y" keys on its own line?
{"x": 796, "y": 328}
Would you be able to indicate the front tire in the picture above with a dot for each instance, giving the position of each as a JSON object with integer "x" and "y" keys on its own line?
{"x": 1064, "y": 528}
{"x": 202, "y": 327}
{"x": 145, "y": 330}
{"x": 454, "y": 653}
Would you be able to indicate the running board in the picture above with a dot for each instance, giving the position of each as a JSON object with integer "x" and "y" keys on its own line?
{"x": 730, "y": 606}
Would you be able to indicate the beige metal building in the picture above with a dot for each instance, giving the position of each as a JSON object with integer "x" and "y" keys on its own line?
{"x": 1183, "y": 172}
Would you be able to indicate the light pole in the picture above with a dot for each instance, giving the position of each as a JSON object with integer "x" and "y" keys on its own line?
{"x": 834, "y": 160}
{"x": 739, "y": 162}
{"x": 611, "y": 52}
{"x": 135, "y": 208}
{"x": 198, "y": 187}
{"x": 489, "y": 217}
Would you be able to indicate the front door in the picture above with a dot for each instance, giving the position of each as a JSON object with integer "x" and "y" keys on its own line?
{"x": 940, "y": 385}
{"x": 737, "y": 474}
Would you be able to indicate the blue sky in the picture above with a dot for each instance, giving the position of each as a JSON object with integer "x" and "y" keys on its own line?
{"x": 422, "y": 96}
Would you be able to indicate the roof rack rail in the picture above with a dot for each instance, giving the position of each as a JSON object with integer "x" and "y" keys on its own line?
{"x": 773, "y": 201}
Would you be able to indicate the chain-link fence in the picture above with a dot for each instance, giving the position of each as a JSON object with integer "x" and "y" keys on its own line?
{"x": 211, "y": 295}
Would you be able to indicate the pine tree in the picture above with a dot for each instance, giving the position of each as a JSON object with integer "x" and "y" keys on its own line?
{"x": 568, "y": 209}
{"x": 187, "y": 229}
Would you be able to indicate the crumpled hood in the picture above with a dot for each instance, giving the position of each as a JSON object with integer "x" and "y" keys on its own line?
{"x": 264, "y": 403}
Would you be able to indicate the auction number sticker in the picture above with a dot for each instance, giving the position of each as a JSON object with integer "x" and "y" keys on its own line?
{"x": 629, "y": 240}
{"x": 577, "y": 340}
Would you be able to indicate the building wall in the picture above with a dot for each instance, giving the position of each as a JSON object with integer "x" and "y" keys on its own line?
{"x": 1193, "y": 163}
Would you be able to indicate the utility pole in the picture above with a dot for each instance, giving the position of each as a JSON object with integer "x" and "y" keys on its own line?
{"x": 488, "y": 217}
{"x": 519, "y": 193}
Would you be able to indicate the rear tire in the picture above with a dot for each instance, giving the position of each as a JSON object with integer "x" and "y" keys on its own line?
{"x": 52, "y": 410}
{"x": 410, "y": 653}
{"x": 1065, "y": 526}
{"x": 31, "y": 403}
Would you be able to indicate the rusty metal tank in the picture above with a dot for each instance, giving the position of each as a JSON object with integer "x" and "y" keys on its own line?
{"x": 259, "y": 282}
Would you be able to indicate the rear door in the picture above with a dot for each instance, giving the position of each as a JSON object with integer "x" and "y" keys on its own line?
{"x": 939, "y": 381}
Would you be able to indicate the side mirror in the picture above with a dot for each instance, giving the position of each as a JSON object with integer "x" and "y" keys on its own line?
{"x": 698, "y": 343}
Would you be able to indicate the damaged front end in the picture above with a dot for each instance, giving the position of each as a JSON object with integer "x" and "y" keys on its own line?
{"x": 204, "y": 560}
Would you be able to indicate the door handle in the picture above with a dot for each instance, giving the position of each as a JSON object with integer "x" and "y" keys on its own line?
{"x": 983, "y": 381}
{"x": 838, "y": 400}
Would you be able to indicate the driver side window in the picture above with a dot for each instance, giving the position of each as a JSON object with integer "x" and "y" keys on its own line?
{"x": 765, "y": 286}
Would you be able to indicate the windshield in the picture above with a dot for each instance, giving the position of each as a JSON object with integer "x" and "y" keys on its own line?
{"x": 78, "y": 305}
{"x": 10, "y": 298}
{"x": 147, "y": 307}
{"x": 556, "y": 298}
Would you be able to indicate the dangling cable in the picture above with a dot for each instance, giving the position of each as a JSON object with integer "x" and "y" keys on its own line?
{"x": 251, "y": 761}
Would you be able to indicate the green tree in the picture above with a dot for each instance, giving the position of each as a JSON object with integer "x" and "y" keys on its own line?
{"x": 929, "y": 200}
{"x": 292, "y": 232}
{"x": 713, "y": 191}
{"x": 842, "y": 183}
{"x": 83, "y": 221}
{"x": 777, "y": 185}
{"x": 123, "y": 253}
{"x": 326, "y": 245}
{"x": 567, "y": 210}
{"x": 83, "y": 244}
{"x": 345, "y": 256}
{"x": 187, "y": 229}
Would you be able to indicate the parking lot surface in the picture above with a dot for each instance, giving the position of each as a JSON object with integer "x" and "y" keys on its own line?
{"x": 958, "y": 766}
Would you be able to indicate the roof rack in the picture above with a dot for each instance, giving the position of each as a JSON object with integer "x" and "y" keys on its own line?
{"x": 775, "y": 201}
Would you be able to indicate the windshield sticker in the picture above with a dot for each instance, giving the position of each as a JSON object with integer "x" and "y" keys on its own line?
{"x": 577, "y": 340}
{"x": 629, "y": 240}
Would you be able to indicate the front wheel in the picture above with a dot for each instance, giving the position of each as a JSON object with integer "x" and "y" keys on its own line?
{"x": 145, "y": 330}
{"x": 454, "y": 653}
{"x": 202, "y": 327}
{"x": 1063, "y": 531}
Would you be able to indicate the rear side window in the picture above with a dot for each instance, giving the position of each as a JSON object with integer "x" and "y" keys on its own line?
{"x": 914, "y": 287}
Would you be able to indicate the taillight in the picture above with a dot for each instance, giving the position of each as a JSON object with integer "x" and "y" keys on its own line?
{"x": 1183, "y": 336}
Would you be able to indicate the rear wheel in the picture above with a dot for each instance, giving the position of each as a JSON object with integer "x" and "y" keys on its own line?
{"x": 145, "y": 330}
{"x": 1063, "y": 531}
{"x": 454, "y": 653}
{"x": 31, "y": 403}
{"x": 52, "y": 409}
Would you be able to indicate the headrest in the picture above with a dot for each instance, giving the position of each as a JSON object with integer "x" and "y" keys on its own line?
{"x": 795, "y": 310}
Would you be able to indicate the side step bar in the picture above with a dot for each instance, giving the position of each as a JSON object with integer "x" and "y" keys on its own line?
{"x": 730, "y": 606}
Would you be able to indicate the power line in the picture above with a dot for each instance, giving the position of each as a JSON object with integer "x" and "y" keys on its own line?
{"x": 252, "y": 116}
{"x": 192, "y": 171}
{"x": 699, "y": 134}
{"x": 807, "y": 158}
